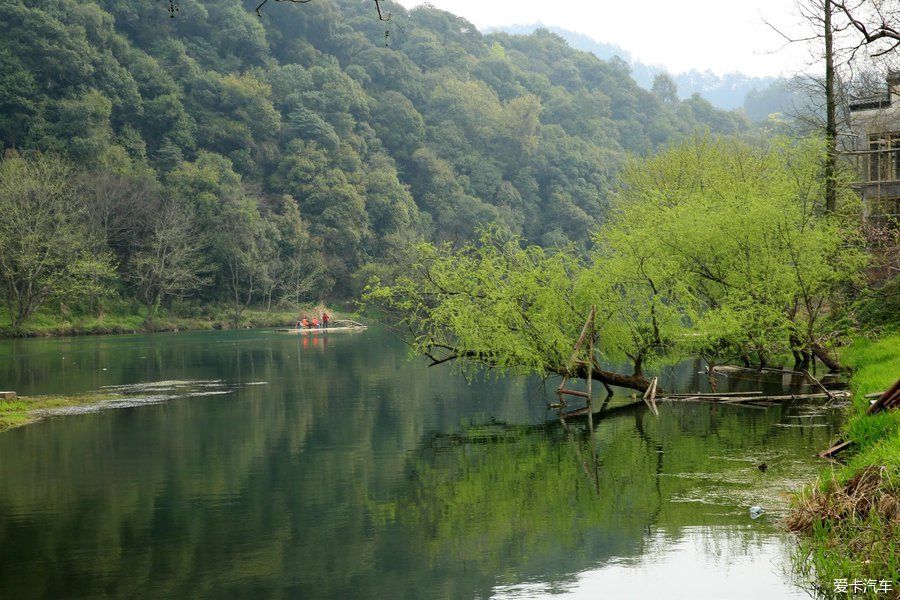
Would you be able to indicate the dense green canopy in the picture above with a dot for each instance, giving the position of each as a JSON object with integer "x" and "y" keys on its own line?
{"x": 230, "y": 116}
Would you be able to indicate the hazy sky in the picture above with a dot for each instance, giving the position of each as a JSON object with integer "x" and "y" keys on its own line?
{"x": 721, "y": 35}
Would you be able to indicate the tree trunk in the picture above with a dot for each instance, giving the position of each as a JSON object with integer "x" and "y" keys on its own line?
{"x": 152, "y": 305}
{"x": 801, "y": 354}
{"x": 798, "y": 360}
{"x": 827, "y": 358}
{"x": 711, "y": 374}
{"x": 639, "y": 367}
{"x": 830, "y": 116}
{"x": 607, "y": 378}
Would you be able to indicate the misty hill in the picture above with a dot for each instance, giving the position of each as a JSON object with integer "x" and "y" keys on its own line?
{"x": 726, "y": 92}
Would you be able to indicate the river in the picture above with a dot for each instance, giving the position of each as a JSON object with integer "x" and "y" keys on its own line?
{"x": 250, "y": 464}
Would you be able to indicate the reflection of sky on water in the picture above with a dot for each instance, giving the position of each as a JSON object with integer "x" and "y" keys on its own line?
{"x": 702, "y": 563}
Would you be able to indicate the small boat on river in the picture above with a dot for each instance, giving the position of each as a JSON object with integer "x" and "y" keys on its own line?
{"x": 339, "y": 326}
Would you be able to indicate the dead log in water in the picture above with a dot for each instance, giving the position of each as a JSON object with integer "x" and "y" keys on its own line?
{"x": 754, "y": 397}
{"x": 757, "y": 370}
{"x": 818, "y": 384}
{"x": 838, "y": 446}
{"x": 650, "y": 396}
{"x": 713, "y": 394}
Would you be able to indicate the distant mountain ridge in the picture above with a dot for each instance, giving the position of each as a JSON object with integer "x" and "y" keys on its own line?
{"x": 727, "y": 92}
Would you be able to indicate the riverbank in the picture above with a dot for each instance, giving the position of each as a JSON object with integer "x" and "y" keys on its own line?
{"x": 849, "y": 521}
{"x": 26, "y": 410}
{"x": 45, "y": 324}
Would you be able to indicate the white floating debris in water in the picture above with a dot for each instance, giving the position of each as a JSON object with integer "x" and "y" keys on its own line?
{"x": 140, "y": 394}
{"x": 101, "y": 406}
{"x": 168, "y": 384}
{"x": 756, "y": 512}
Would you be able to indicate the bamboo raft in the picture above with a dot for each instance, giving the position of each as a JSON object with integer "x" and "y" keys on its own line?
{"x": 340, "y": 326}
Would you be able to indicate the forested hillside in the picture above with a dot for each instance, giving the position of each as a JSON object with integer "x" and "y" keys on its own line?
{"x": 274, "y": 158}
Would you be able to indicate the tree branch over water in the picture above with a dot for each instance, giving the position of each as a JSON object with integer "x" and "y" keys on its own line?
{"x": 715, "y": 248}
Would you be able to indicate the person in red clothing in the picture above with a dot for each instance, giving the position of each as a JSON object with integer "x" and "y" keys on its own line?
{"x": 304, "y": 322}
{"x": 315, "y": 323}
{"x": 325, "y": 319}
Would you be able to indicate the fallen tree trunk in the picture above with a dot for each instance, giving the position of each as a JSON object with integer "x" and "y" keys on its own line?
{"x": 825, "y": 356}
{"x": 838, "y": 446}
{"x": 714, "y": 400}
{"x": 818, "y": 384}
{"x": 714, "y": 395}
{"x": 723, "y": 399}
{"x": 632, "y": 382}
{"x": 888, "y": 400}
{"x": 732, "y": 368}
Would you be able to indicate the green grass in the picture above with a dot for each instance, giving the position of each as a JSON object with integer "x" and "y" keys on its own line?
{"x": 849, "y": 522}
{"x": 21, "y": 411}
{"x": 876, "y": 367}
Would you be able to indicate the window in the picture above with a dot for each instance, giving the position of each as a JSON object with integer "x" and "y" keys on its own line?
{"x": 884, "y": 156}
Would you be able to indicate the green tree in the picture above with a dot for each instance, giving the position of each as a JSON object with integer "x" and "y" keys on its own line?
{"x": 665, "y": 88}
{"x": 744, "y": 227}
{"x": 169, "y": 262}
{"x": 293, "y": 263}
{"x": 45, "y": 247}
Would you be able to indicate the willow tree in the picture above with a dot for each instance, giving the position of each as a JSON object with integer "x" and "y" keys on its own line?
{"x": 745, "y": 232}
{"x": 494, "y": 304}
{"x": 715, "y": 246}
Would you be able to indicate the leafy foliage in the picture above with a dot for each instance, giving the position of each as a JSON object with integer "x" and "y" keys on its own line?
{"x": 45, "y": 250}
{"x": 432, "y": 137}
{"x": 741, "y": 228}
{"x": 714, "y": 246}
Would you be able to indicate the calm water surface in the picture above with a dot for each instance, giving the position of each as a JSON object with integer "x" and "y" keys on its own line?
{"x": 266, "y": 466}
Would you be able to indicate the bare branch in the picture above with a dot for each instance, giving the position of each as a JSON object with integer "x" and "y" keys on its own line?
{"x": 263, "y": 3}
{"x": 381, "y": 15}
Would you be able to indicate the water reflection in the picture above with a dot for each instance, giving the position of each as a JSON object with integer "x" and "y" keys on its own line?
{"x": 730, "y": 557}
{"x": 354, "y": 472}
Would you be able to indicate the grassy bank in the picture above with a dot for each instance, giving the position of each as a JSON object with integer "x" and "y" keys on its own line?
{"x": 124, "y": 319}
{"x": 25, "y": 410}
{"x": 849, "y": 522}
